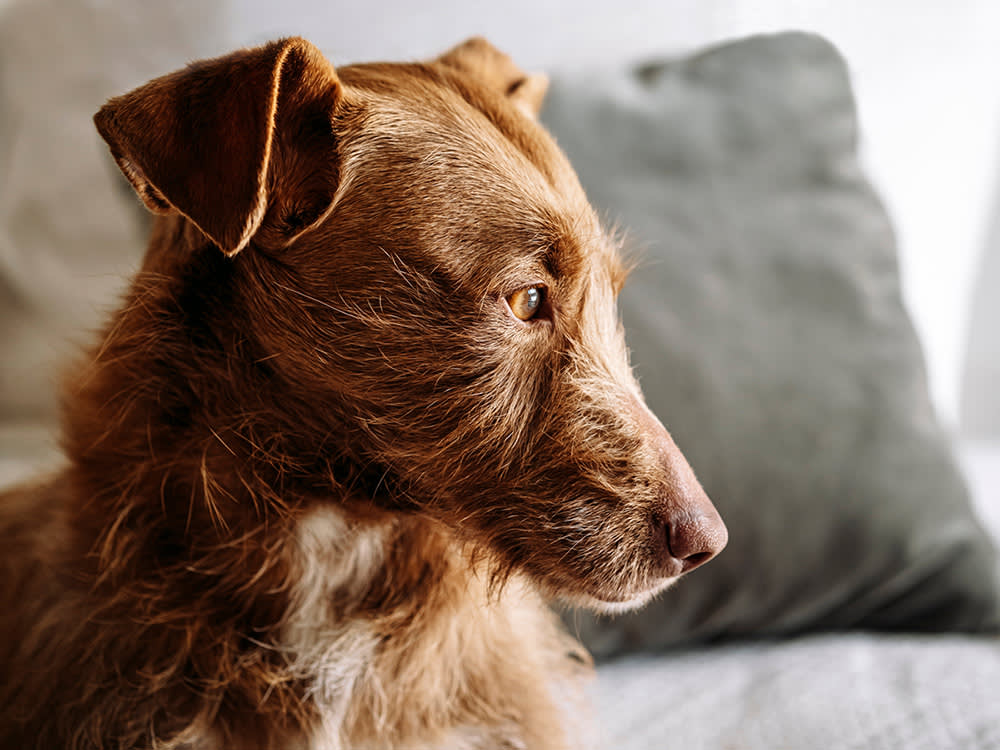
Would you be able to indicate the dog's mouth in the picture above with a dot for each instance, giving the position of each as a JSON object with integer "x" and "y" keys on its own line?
{"x": 613, "y": 600}
{"x": 627, "y": 559}
{"x": 608, "y": 583}
{"x": 615, "y": 603}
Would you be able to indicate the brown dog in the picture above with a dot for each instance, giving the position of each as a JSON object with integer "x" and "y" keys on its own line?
{"x": 320, "y": 483}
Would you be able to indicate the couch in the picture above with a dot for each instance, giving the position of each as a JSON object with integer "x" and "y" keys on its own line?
{"x": 858, "y": 604}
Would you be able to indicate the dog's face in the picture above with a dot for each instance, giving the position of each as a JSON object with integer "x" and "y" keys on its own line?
{"x": 420, "y": 264}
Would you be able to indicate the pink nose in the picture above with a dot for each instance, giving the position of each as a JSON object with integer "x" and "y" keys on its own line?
{"x": 693, "y": 532}
{"x": 689, "y": 531}
{"x": 695, "y": 536}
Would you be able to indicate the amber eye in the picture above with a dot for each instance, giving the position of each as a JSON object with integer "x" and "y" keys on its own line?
{"x": 525, "y": 303}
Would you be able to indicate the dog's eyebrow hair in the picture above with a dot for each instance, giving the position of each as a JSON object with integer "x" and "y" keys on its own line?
{"x": 560, "y": 244}
{"x": 545, "y": 247}
{"x": 551, "y": 259}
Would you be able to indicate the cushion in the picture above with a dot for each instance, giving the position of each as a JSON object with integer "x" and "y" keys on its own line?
{"x": 767, "y": 330}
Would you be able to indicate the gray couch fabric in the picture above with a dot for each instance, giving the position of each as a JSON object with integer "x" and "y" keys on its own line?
{"x": 834, "y": 692}
{"x": 769, "y": 335}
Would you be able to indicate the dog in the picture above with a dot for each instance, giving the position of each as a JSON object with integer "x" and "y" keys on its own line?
{"x": 365, "y": 411}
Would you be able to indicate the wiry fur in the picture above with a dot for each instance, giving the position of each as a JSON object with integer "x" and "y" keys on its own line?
{"x": 318, "y": 486}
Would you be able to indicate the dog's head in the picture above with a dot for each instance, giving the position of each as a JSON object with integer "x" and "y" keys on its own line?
{"x": 415, "y": 260}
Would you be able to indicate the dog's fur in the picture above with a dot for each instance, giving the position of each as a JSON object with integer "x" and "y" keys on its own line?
{"x": 321, "y": 483}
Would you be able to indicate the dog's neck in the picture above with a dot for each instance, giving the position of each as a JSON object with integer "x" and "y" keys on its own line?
{"x": 179, "y": 429}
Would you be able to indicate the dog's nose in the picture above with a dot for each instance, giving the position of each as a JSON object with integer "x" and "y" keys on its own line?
{"x": 694, "y": 538}
{"x": 690, "y": 530}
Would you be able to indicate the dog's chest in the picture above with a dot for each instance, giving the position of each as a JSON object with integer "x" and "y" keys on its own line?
{"x": 341, "y": 658}
{"x": 333, "y": 562}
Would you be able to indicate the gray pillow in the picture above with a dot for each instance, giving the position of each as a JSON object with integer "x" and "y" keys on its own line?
{"x": 768, "y": 332}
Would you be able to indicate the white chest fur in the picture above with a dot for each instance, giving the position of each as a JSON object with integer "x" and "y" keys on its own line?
{"x": 462, "y": 664}
{"x": 333, "y": 561}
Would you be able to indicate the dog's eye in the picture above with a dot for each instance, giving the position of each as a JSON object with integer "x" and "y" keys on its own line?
{"x": 525, "y": 303}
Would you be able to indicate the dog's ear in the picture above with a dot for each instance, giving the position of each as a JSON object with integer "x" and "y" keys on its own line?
{"x": 479, "y": 58}
{"x": 211, "y": 141}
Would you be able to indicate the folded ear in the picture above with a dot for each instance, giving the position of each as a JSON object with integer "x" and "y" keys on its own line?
{"x": 208, "y": 141}
{"x": 479, "y": 58}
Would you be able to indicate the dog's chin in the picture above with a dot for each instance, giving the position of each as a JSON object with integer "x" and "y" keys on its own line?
{"x": 606, "y": 602}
